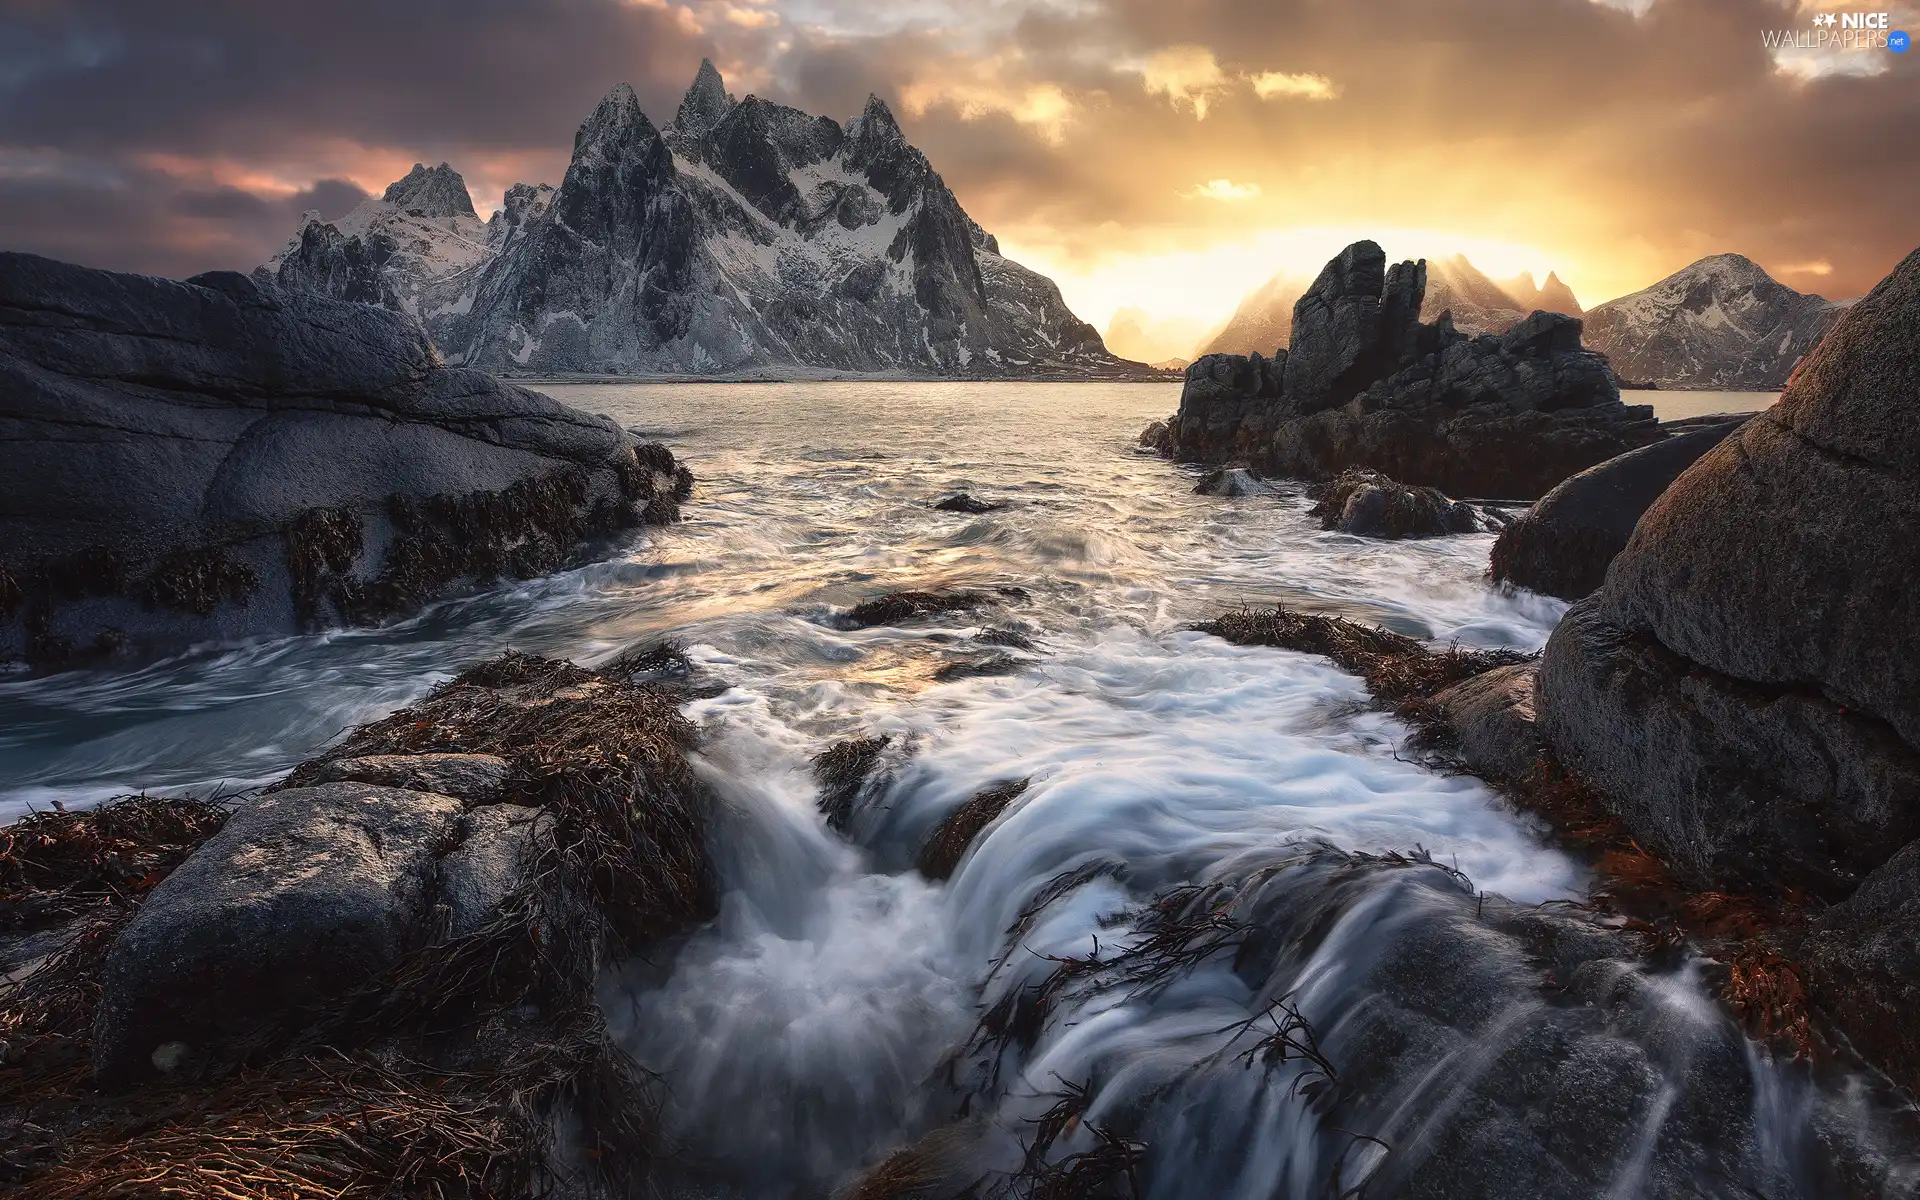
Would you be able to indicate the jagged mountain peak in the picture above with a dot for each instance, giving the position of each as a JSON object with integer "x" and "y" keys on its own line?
{"x": 875, "y": 123}
{"x": 431, "y": 192}
{"x": 617, "y": 117}
{"x": 706, "y": 103}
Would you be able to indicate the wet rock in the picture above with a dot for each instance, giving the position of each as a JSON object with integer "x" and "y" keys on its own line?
{"x": 1157, "y": 438}
{"x": 843, "y": 771}
{"x": 977, "y": 665}
{"x": 302, "y": 896}
{"x": 498, "y": 844}
{"x": 962, "y": 502}
{"x": 896, "y": 607}
{"x": 1230, "y": 482}
{"x": 1366, "y": 384}
{"x": 1493, "y": 724}
{"x": 1745, "y": 688}
{"x": 1861, "y": 960}
{"x": 952, "y": 838}
{"x": 1368, "y": 504}
{"x": 475, "y": 778}
{"x": 219, "y": 458}
{"x": 1564, "y": 544}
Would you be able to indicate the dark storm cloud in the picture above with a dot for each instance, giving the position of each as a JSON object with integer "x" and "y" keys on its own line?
{"x": 177, "y": 127}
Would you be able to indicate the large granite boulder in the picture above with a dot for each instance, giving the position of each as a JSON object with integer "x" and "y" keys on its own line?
{"x": 1745, "y": 688}
{"x": 305, "y": 895}
{"x": 1563, "y": 545}
{"x": 1367, "y": 384}
{"x": 219, "y": 458}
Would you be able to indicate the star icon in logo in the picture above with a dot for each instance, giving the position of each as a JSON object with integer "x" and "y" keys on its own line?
{"x": 1830, "y": 20}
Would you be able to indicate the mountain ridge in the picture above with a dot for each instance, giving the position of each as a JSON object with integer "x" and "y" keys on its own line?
{"x": 1721, "y": 322}
{"x": 744, "y": 236}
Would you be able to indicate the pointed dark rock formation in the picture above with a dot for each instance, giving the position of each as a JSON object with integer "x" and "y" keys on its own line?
{"x": 704, "y": 106}
{"x": 1367, "y": 384}
{"x": 431, "y": 192}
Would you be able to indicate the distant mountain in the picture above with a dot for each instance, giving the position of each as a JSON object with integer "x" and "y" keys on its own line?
{"x": 1264, "y": 320}
{"x": 1721, "y": 323}
{"x": 1478, "y": 304}
{"x": 1137, "y": 334}
{"x": 744, "y": 235}
{"x": 1551, "y": 296}
{"x": 418, "y": 248}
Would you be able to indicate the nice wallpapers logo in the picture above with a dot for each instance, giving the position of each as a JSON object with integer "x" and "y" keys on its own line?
{"x": 1840, "y": 31}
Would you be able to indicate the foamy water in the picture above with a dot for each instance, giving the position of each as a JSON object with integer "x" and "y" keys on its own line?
{"x": 824, "y": 1018}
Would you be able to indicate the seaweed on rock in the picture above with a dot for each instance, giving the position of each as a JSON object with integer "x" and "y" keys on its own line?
{"x": 196, "y": 581}
{"x": 951, "y": 839}
{"x": 322, "y": 545}
{"x": 841, "y": 771}
{"x": 1396, "y": 667}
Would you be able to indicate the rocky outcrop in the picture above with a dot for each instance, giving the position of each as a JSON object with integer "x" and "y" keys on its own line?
{"x": 1563, "y": 545}
{"x": 1722, "y": 322}
{"x": 219, "y": 458}
{"x": 1368, "y": 504}
{"x": 766, "y": 238}
{"x": 1745, "y": 689}
{"x": 423, "y": 963}
{"x": 1365, "y": 383}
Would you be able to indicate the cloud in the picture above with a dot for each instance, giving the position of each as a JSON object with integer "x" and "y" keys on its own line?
{"x": 1223, "y": 189}
{"x": 1611, "y": 143}
{"x": 1188, "y": 76}
{"x": 1270, "y": 85}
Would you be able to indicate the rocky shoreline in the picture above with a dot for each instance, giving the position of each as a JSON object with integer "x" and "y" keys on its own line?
{"x": 217, "y": 458}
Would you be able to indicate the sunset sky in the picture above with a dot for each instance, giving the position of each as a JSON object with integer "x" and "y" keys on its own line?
{"x": 1168, "y": 154}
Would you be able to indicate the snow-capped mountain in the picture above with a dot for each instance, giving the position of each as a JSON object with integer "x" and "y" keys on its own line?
{"x": 1264, "y": 320}
{"x": 419, "y": 247}
{"x": 743, "y": 235}
{"x": 1720, "y": 323}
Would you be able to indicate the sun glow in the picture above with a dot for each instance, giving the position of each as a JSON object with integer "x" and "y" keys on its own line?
{"x": 1207, "y": 284}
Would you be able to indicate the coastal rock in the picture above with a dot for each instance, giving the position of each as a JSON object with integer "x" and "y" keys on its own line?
{"x": 221, "y": 458}
{"x": 1492, "y": 722}
{"x": 302, "y": 896}
{"x": 963, "y": 502}
{"x": 1861, "y": 961}
{"x": 1745, "y": 688}
{"x": 475, "y": 778}
{"x": 1368, "y": 504}
{"x": 1229, "y": 482}
{"x": 1366, "y": 384}
{"x": 1564, "y": 544}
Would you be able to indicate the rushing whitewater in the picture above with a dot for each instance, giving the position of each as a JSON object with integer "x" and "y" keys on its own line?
{"x": 1400, "y": 923}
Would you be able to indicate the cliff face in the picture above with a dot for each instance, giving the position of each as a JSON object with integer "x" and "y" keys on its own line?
{"x": 743, "y": 235}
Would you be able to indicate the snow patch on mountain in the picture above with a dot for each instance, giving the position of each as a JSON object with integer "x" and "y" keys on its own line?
{"x": 1722, "y": 322}
{"x": 743, "y": 236}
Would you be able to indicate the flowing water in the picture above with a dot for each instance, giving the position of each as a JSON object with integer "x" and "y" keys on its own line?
{"x": 830, "y": 1012}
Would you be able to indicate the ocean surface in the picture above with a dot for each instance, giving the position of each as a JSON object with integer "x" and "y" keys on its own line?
{"x": 799, "y": 1032}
